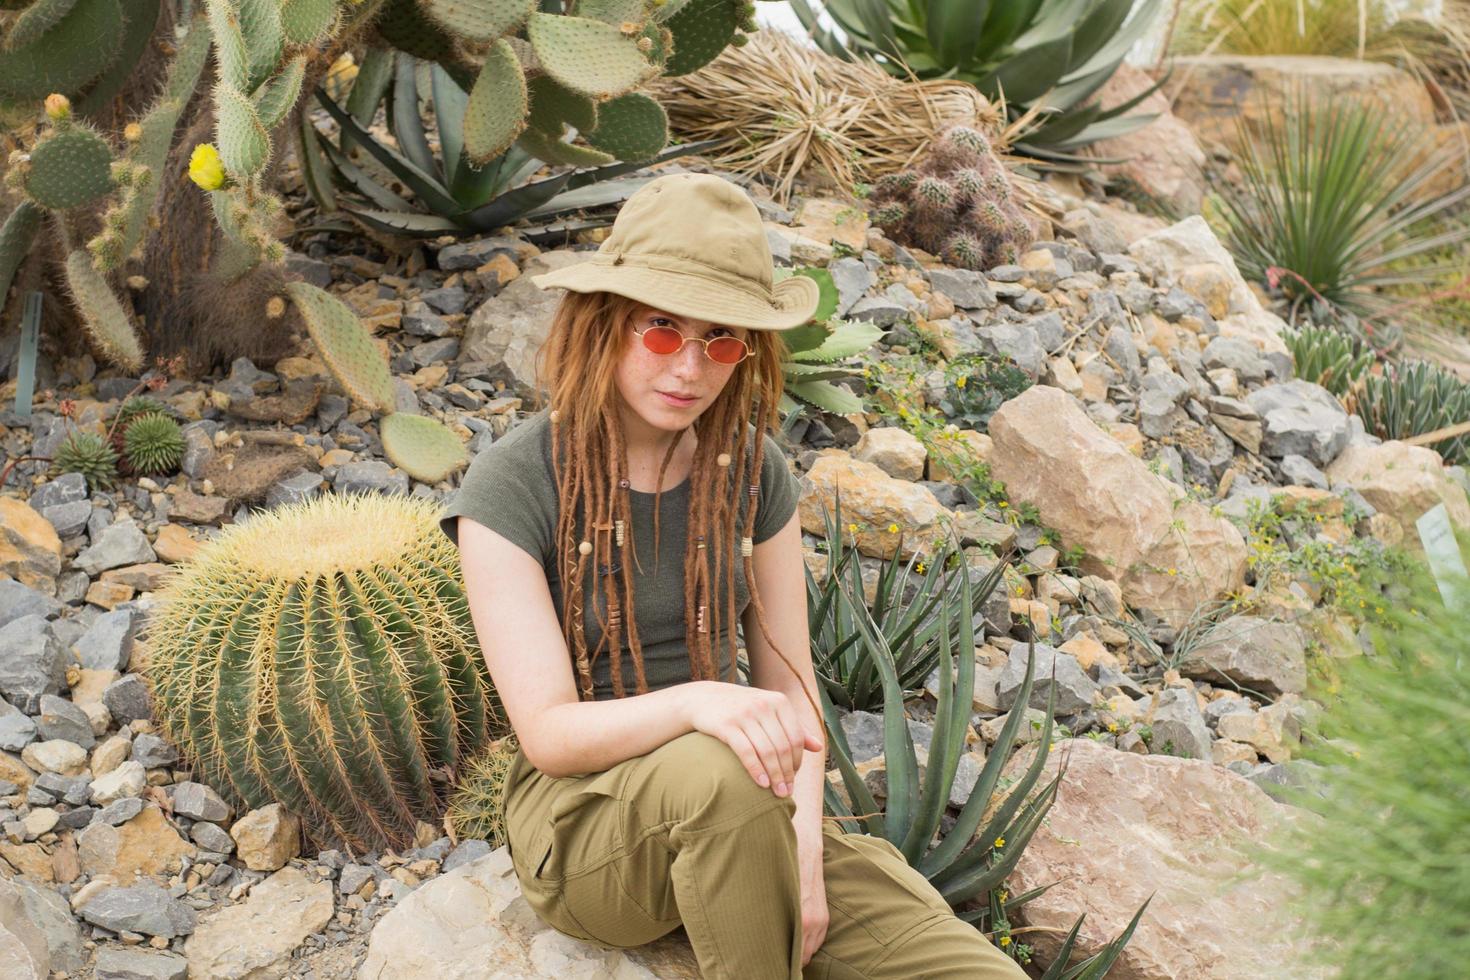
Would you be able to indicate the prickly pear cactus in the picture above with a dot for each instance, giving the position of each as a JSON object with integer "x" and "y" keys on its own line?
{"x": 957, "y": 204}
{"x": 339, "y": 677}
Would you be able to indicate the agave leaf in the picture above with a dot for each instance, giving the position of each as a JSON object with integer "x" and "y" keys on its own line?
{"x": 425, "y": 185}
{"x": 827, "y": 397}
{"x": 414, "y": 223}
{"x": 849, "y": 338}
{"x": 408, "y": 125}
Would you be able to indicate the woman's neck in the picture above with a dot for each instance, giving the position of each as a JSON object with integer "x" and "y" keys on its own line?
{"x": 644, "y": 461}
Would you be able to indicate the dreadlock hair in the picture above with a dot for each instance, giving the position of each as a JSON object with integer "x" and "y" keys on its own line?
{"x": 577, "y": 366}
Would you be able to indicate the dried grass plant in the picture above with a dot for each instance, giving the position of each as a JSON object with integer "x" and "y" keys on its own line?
{"x": 787, "y": 110}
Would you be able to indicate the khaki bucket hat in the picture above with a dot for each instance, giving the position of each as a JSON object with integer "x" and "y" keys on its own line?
{"x": 693, "y": 245}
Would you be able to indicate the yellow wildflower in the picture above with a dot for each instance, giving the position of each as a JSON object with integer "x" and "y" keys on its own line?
{"x": 1001, "y": 897}
{"x": 1173, "y": 571}
{"x": 920, "y": 568}
{"x": 960, "y": 381}
{"x": 1005, "y": 940}
{"x": 1000, "y": 842}
{"x": 852, "y": 528}
{"x": 1112, "y": 726}
{"x": 1002, "y": 504}
{"x": 893, "y": 529}
{"x": 205, "y": 168}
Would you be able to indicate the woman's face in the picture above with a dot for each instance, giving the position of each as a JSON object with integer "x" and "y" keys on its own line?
{"x": 651, "y": 383}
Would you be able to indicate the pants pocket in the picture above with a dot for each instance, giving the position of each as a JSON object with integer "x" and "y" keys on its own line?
{"x": 870, "y": 882}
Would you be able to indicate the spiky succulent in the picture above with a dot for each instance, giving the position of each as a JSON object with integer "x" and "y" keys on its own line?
{"x": 477, "y": 808}
{"x": 957, "y": 204}
{"x": 153, "y": 444}
{"x": 89, "y": 454}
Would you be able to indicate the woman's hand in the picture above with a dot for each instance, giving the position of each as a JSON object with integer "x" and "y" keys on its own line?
{"x": 814, "y": 912}
{"x": 760, "y": 726}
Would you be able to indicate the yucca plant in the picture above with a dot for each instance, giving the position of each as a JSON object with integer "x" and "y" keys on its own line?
{"x": 1414, "y": 397}
{"x": 970, "y": 864}
{"x": 449, "y": 194}
{"x": 910, "y": 624}
{"x": 1327, "y": 205}
{"x": 1051, "y": 55}
{"x": 1389, "y": 809}
{"x": 1327, "y": 357}
{"x": 812, "y": 351}
{"x": 339, "y": 676}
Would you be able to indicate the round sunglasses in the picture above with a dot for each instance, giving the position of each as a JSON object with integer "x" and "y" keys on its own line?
{"x": 668, "y": 340}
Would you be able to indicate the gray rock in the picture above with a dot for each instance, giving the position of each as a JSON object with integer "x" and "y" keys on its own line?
{"x": 464, "y": 853}
{"x": 1108, "y": 676}
{"x": 60, "y": 718}
{"x": 506, "y": 331}
{"x": 32, "y": 662}
{"x": 1258, "y": 654}
{"x": 198, "y": 448}
{"x": 967, "y": 288}
{"x": 317, "y": 273}
{"x": 1220, "y": 707}
{"x": 432, "y": 351}
{"x": 41, "y": 920}
{"x": 445, "y": 299}
{"x": 1074, "y": 689}
{"x": 17, "y": 600}
{"x": 1300, "y": 472}
{"x": 1015, "y": 342}
{"x": 144, "y": 908}
{"x": 1006, "y": 273}
{"x": 864, "y": 731}
{"x": 127, "y": 699}
{"x": 153, "y": 751}
{"x": 852, "y": 279}
{"x": 77, "y": 818}
{"x": 1178, "y": 724}
{"x": 780, "y": 247}
{"x": 425, "y": 324}
{"x": 108, "y": 642}
{"x": 120, "y": 544}
{"x": 472, "y": 255}
{"x": 65, "y": 489}
{"x": 71, "y": 790}
{"x": 1302, "y": 418}
{"x": 69, "y": 519}
{"x": 212, "y": 837}
{"x": 1030, "y": 301}
{"x": 123, "y": 963}
{"x": 1241, "y": 356}
{"x": 294, "y": 489}
{"x": 879, "y": 311}
{"x": 1283, "y": 780}
{"x": 1050, "y": 331}
{"x": 1119, "y": 346}
{"x": 369, "y": 476}
{"x": 17, "y": 730}
{"x": 352, "y": 877}
{"x": 120, "y": 811}
{"x": 1177, "y": 303}
{"x": 198, "y": 802}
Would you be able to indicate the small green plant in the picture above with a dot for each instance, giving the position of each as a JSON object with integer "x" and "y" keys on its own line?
{"x": 814, "y": 350}
{"x": 153, "y": 444}
{"x": 982, "y": 384}
{"x": 1414, "y": 397}
{"x": 89, "y": 454}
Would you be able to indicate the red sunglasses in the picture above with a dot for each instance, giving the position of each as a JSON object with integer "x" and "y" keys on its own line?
{"x": 721, "y": 350}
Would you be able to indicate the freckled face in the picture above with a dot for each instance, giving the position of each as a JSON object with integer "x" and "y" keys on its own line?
{"x": 651, "y": 384}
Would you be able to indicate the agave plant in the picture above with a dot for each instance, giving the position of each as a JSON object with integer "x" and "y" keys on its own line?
{"x": 450, "y": 195}
{"x": 910, "y": 625}
{"x": 812, "y": 350}
{"x": 1328, "y": 208}
{"x": 1327, "y": 357}
{"x": 1049, "y": 54}
{"x": 964, "y": 866}
{"x": 1415, "y": 397}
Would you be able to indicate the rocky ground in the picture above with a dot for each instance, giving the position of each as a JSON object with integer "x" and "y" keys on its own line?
{"x": 1164, "y": 405}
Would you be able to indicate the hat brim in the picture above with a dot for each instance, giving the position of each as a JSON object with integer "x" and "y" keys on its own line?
{"x": 793, "y": 299}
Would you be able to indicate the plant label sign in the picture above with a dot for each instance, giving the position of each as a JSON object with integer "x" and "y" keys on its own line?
{"x": 1445, "y": 559}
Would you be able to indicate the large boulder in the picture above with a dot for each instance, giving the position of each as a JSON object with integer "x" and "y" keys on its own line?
{"x": 1401, "y": 481}
{"x": 1254, "y": 653}
{"x": 1184, "y": 252}
{"x": 1300, "y": 418}
{"x": 473, "y": 922}
{"x": 30, "y": 551}
{"x": 254, "y": 939}
{"x": 1127, "y": 826}
{"x": 1168, "y": 553}
{"x": 880, "y": 507}
{"x": 1163, "y": 158}
{"x": 506, "y": 331}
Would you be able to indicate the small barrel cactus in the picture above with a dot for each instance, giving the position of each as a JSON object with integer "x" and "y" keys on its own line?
{"x": 477, "y": 808}
{"x": 957, "y": 204}
{"x": 153, "y": 444}
{"x": 322, "y": 656}
{"x": 89, "y": 454}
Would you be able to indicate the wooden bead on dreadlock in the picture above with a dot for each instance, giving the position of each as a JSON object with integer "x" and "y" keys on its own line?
{"x": 618, "y": 532}
{"x": 699, "y": 621}
{"x": 556, "y": 415}
{"x": 722, "y": 460}
{"x": 747, "y": 547}
{"x": 585, "y": 548}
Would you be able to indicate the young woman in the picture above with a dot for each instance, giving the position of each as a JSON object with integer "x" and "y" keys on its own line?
{"x": 610, "y": 544}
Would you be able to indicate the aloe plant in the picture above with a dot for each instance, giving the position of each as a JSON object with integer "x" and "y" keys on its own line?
{"x": 1330, "y": 204}
{"x": 1415, "y": 397}
{"x": 965, "y": 867}
{"x": 910, "y": 625}
{"x": 1327, "y": 357}
{"x": 450, "y": 195}
{"x": 1051, "y": 54}
{"x": 813, "y": 349}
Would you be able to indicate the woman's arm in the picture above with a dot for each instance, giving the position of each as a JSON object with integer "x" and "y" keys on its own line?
{"x": 516, "y": 621}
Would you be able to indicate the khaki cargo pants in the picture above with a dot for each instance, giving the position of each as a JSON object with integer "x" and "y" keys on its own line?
{"x": 683, "y": 835}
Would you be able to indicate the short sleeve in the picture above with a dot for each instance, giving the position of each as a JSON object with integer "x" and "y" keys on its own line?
{"x": 779, "y": 493}
{"x": 501, "y": 491}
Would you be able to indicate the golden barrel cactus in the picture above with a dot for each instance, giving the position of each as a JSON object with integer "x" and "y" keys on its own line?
{"x": 322, "y": 656}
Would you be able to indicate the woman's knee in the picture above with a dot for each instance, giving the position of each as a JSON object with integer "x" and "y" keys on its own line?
{"x": 697, "y": 772}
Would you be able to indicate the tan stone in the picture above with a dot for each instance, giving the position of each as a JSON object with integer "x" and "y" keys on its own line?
{"x": 826, "y": 220}
{"x": 336, "y": 457}
{"x": 501, "y": 269}
{"x": 1163, "y": 158}
{"x": 976, "y": 444}
{"x": 1223, "y": 752}
{"x": 145, "y": 577}
{"x": 90, "y": 684}
{"x": 1118, "y": 833}
{"x": 1210, "y": 283}
{"x": 1089, "y": 650}
{"x": 1100, "y": 497}
{"x": 197, "y": 509}
{"x": 1274, "y": 730}
{"x": 1064, "y": 375}
{"x": 31, "y": 860}
{"x": 147, "y": 844}
{"x": 30, "y": 551}
{"x": 175, "y": 544}
{"x": 266, "y": 838}
{"x": 882, "y": 508}
{"x": 1128, "y": 434}
{"x": 13, "y": 770}
{"x": 109, "y": 595}
{"x": 291, "y": 368}
{"x": 1401, "y": 481}
{"x": 110, "y": 753}
{"x": 55, "y": 755}
{"x": 895, "y": 451}
{"x": 254, "y": 939}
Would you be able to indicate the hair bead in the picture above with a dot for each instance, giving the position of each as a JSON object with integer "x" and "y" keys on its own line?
{"x": 618, "y": 532}
{"x": 556, "y": 415}
{"x": 747, "y": 547}
{"x": 624, "y": 483}
{"x": 722, "y": 460}
{"x": 585, "y": 548}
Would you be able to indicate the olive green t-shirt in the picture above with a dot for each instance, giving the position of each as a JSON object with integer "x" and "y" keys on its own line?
{"x": 511, "y": 488}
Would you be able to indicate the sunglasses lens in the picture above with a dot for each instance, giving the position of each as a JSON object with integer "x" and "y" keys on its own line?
{"x": 662, "y": 340}
{"x": 726, "y": 350}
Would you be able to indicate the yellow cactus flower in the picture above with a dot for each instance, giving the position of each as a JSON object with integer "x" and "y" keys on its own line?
{"x": 205, "y": 168}
{"x": 132, "y": 132}
{"x": 58, "y": 107}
